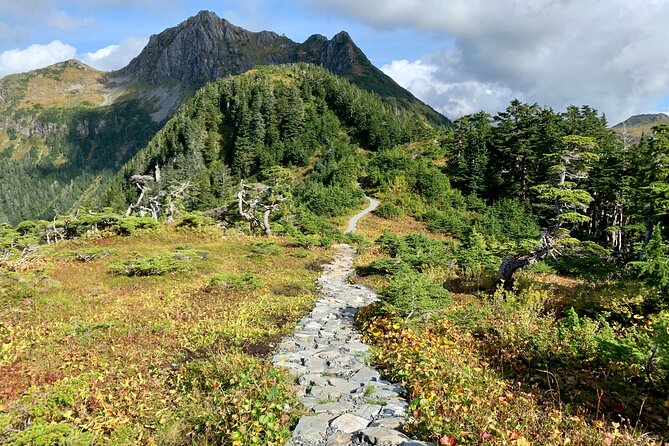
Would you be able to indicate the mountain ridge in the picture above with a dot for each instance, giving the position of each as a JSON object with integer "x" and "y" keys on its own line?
{"x": 206, "y": 47}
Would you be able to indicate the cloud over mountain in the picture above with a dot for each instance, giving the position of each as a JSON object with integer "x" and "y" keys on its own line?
{"x": 109, "y": 58}
{"x": 113, "y": 57}
{"x": 35, "y": 56}
{"x": 607, "y": 53}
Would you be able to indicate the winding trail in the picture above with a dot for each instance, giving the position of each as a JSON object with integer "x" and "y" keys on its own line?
{"x": 353, "y": 222}
{"x": 349, "y": 402}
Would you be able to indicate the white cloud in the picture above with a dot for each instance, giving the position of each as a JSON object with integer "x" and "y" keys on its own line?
{"x": 607, "y": 53}
{"x": 65, "y": 22}
{"x": 108, "y": 58}
{"x": 35, "y": 56}
{"x": 114, "y": 57}
{"x": 451, "y": 96}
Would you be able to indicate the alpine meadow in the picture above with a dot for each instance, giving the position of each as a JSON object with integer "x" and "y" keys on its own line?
{"x": 238, "y": 239}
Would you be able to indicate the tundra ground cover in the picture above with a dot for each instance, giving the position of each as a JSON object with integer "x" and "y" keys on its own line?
{"x": 156, "y": 338}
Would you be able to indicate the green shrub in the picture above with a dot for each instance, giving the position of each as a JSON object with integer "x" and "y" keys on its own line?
{"x": 40, "y": 434}
{"x": 302, "y": 222}
{"x": 264, "y": 248}
{"x": 241, "y": 282}
{"x": 85, "y": 255}
{"x": 385, "y": 266}
{"x": 128, "y": 225}
{"x": 587, "y": 260}
{"x": 14, "y": 288}
{"x": 541, "y": 268}
{"x": 195, "y": 220}
{"x": 388, "y": 211}
{"x": 412, "y": 293}
{"x": 158, "y": 265}
{"x": 454, "y": 222}
{"x": 236, "y": 399}
{"x": 26, "y": 227}
{"x": 661, "y": 344}
{"x": 417, "y": 250}
{"x": 508, "y": 220}
{"x": 330, "y": 200}
{"x": 310, "y": 241}
{"x": 476, "y": 263}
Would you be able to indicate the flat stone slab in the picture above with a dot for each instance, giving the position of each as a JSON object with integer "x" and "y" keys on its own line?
{"x": 348, "y": 423}
{"x": 312, "y": 430}
{"x": 339, "y": 439}
{"x": 333, "y": 407}
{"x": 390, "y": 423}
{"x": 368, "y": 411}
{"x": 382, "y": 436}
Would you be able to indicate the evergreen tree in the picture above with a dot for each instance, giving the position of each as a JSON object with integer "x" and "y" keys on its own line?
{"x": 570, "y": 162}
{"x": 470, "y": 153}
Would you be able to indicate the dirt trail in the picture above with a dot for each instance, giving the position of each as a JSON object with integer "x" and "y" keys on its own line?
{"x": 353, "y": 222}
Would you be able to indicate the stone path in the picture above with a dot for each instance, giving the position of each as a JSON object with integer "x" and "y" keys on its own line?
{"x": 350, "y": 404}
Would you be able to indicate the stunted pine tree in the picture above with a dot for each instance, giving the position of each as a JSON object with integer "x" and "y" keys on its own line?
{"x": 569, "y": 164}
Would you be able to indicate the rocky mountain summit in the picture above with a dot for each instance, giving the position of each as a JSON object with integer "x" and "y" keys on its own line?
{"x": 206, "y": 47}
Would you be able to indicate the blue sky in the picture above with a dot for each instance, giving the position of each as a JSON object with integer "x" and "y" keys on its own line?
{"x": 460, "y": 56}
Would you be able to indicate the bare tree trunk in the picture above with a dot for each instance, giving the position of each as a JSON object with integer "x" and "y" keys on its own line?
{"x": 265, "y": 219}
{"x": 547, "y": 246}
{"x": 139, "y": 200}
{"x": 512, "y": 264}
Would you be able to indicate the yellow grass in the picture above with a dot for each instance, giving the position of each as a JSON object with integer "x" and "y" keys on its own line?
{"x": 72, "y": 87}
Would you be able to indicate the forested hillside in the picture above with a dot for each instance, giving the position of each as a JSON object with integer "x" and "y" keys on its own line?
{"x": 299, "y": 116}
{"x": 58, "y": 139}
{"x": 66, "y": 129}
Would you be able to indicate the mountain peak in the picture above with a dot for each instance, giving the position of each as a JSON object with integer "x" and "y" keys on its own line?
{"x": 199, "y": 50}
{"x": 342, "y": 36}
{"x": 207, "y": 18}
{"x": 636, "y": 126}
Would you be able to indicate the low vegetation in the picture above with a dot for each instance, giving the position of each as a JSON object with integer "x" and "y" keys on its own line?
{"x": 572, "y": 348}
{"x": 160, "y": 337}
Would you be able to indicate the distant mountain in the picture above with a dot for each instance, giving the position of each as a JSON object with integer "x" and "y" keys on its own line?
{"x": 68, "y": 128}
{"x": 63, "y": 131}
{"x": 638, "y": 125}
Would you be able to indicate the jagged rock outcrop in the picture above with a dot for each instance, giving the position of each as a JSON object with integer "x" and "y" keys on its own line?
{"x": 204, "y": 48}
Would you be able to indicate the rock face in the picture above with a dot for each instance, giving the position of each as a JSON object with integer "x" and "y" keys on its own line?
{"x": 204, "y": 48}
{"x": 350, "y": 403}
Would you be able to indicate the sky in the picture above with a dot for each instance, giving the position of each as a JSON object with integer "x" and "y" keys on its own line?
{"x": 459, "y": 56}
